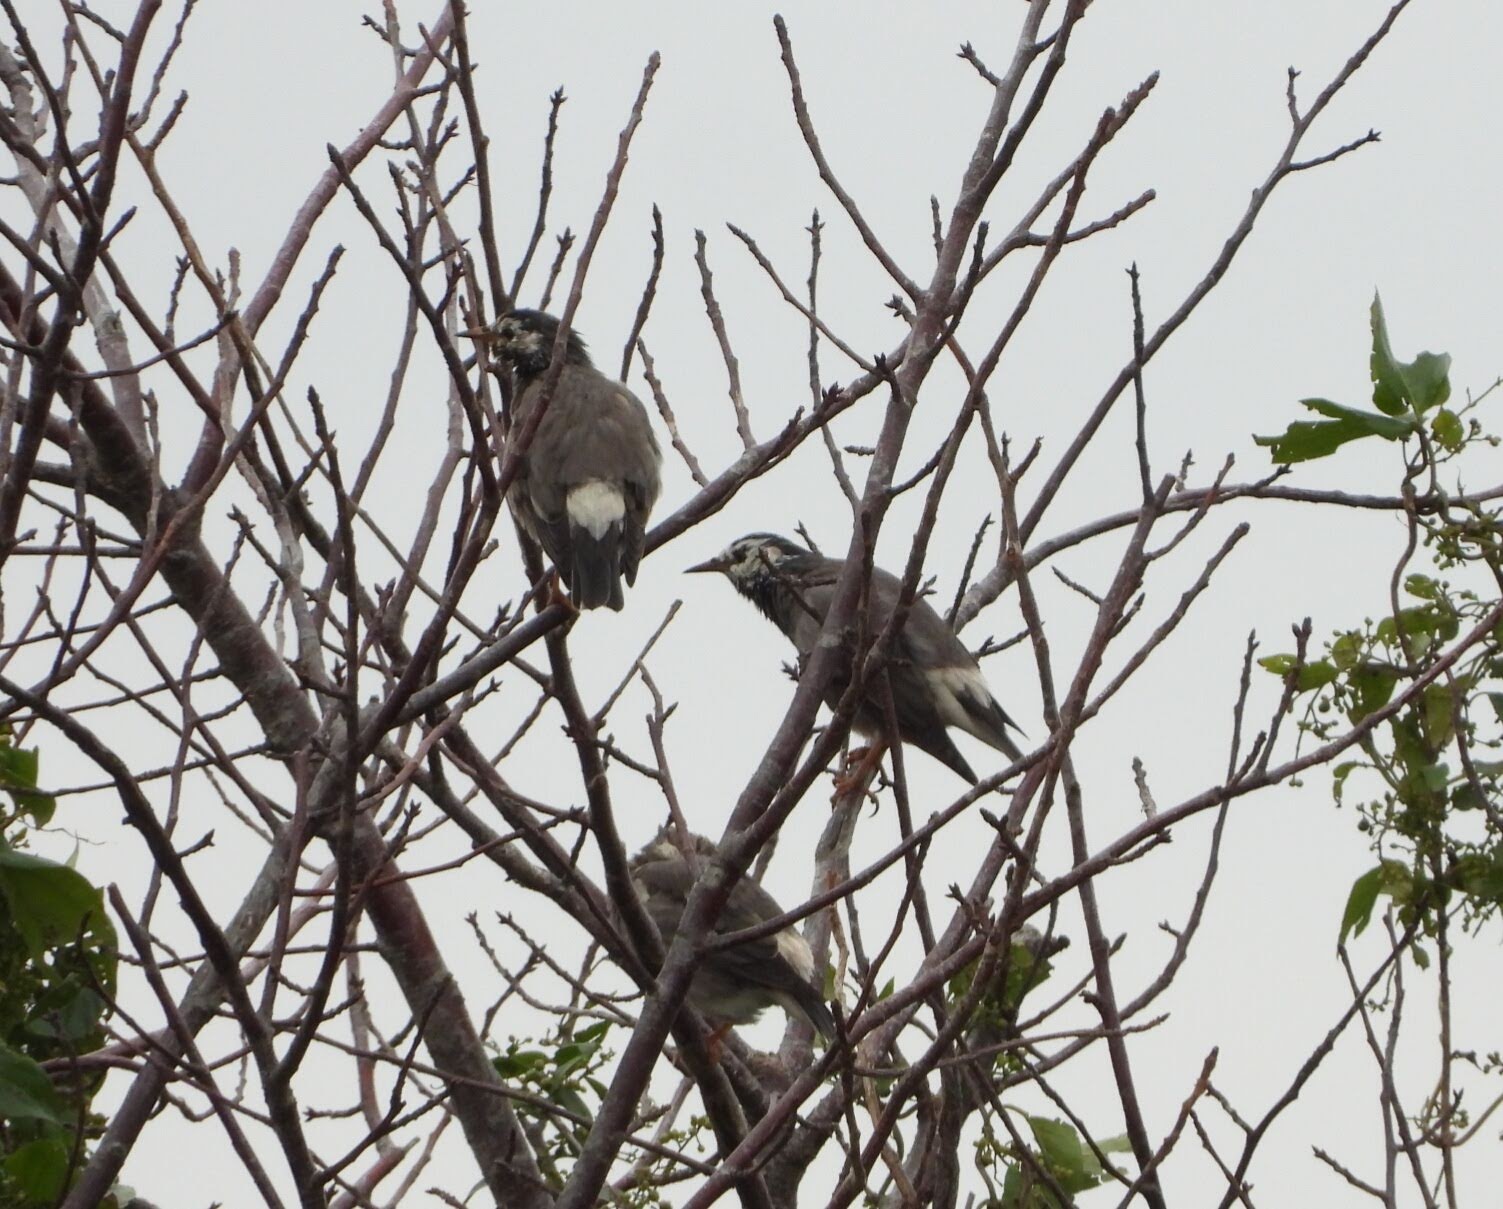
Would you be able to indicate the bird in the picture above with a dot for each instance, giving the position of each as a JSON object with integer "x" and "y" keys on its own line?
{"x": 588, "y": 480}
{"x": 936, "y": 683}
{"x": 735, "y": 985}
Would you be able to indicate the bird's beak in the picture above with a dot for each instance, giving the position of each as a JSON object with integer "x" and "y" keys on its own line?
{"x": 479, "y": 333}
{"x": 709, "y": 564}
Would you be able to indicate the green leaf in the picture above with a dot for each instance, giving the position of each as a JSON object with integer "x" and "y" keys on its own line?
{"x": 1448, "y": 430}
{"x": 1315, "y": 675}
{"x": 1062, "y": 1150}
{"x": 26, "y": 1093}
{"x": 1422, "y": 586}
{"x": 1370, "y": 423}
{"x": 1305, "y": 440}
{"x": 1389, "y": 878}
{"x": 1115, "y": 1145}
{"x": 39, "y": 1169}
{"x": 1435, "y": 777}
{"x": 1409, "y": 750}
{"x": 1311, "y": 675}
{"x": 571, "y": 1101}
{"x": 1028, "y": 967}
{"x": 74, "y": 1020}
{"x": 1360, "y": 903}
{"x": 49, "y": 903}
{"x": 1402, "y": 385}
{"x": 1372, "y": 683}
{"x": 1428, "y": 377}
{"x": 18, "y": 777}
{"x": 1480, "y": 876}
{"x": 518, "y": 1063}
{"x": 1410, "y": 622}
{"x": 1440, "y": 715}
{"x": 1346, "y": 650}
{"x": 1388, "y": 385}
{"x": 1012, "y": 1187}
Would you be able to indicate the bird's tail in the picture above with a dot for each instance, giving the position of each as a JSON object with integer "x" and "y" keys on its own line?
{"x": 596, "y": 511}
{"x": 814, "y": 1009}
{"x": 595, "y": 568}
{"x": 997, "y": 726}
{"x": 978, "y": 711}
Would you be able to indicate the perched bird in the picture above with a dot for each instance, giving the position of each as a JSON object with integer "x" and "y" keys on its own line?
{"x": 590, "y": 476}
{"x": 936, "y": 683}
{"x": 731, "y": 986}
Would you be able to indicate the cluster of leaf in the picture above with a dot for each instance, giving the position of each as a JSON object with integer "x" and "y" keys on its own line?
{"x": 1057, "y": 1160}
{"x": 1405, "y": 394}
{"x": 563, "y": 1076}
{"x": 1058, "y": 1150}
{"x": 1026, "y": 967}
{"x": 57, "y": 973}
{"x": 1430, "y": 794}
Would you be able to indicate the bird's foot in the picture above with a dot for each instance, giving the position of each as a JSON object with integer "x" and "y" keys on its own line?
{"x": 558, "y": 596}
{"x": 860, "y": 764}
{"x": 715, "y": 1042}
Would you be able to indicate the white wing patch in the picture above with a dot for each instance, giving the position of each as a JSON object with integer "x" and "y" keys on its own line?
{"x": 794, "y": 949}
{"x": 596, "y": 506}
{"x": 951, "y": 686}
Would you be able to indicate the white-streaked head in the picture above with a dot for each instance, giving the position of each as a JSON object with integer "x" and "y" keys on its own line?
{"x": 525, "y": 339}
{"x": 750, "y": 558}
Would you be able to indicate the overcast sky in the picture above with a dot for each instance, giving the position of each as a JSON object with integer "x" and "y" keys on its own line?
{"x": 1415, "y": 216}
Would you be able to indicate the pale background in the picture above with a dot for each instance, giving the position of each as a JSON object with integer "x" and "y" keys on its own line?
{"x": 1415, "y": 216}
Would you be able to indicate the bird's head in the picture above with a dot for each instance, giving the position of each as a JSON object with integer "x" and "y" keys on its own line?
{"x": 751, "y": 560}
{"x": 655, "y": 869}
{"x": 664, "y": 846}
{"x": 524, "y": 339}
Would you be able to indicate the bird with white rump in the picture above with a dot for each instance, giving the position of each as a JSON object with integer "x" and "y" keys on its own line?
{"x": 936, "y": 682}
{"x": 589, "y": 478}
{"x": 732, "y": 985}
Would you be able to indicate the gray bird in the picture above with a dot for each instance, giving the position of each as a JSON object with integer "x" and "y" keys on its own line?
{"x": 936, "y": 683}
{"x": 731, "y": 986}
{"x": 590, "y": 477}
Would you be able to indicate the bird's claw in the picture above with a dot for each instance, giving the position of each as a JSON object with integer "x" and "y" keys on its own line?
{"x": 558, "y": 596}
{"x": 859, "y": 763}
{"x": 715, "y": 1042}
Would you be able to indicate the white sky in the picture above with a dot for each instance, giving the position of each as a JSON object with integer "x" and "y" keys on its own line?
{"x": 1414, "y": 216}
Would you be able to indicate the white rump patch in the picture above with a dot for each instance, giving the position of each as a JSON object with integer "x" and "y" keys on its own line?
{"x": 794, "y": 949}
{"x": 596, "y": 506}
{"x": 951, "y": 685}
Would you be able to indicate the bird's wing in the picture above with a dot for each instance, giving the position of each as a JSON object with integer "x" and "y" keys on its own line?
{"x": 960, "y": 693}
{"x": 641, "y": 477}
{"x": 535, "y": 496}
{"x": 665, "y": 885}
{"x": 609, "y": 436}
{"x": 780, "y": 963}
